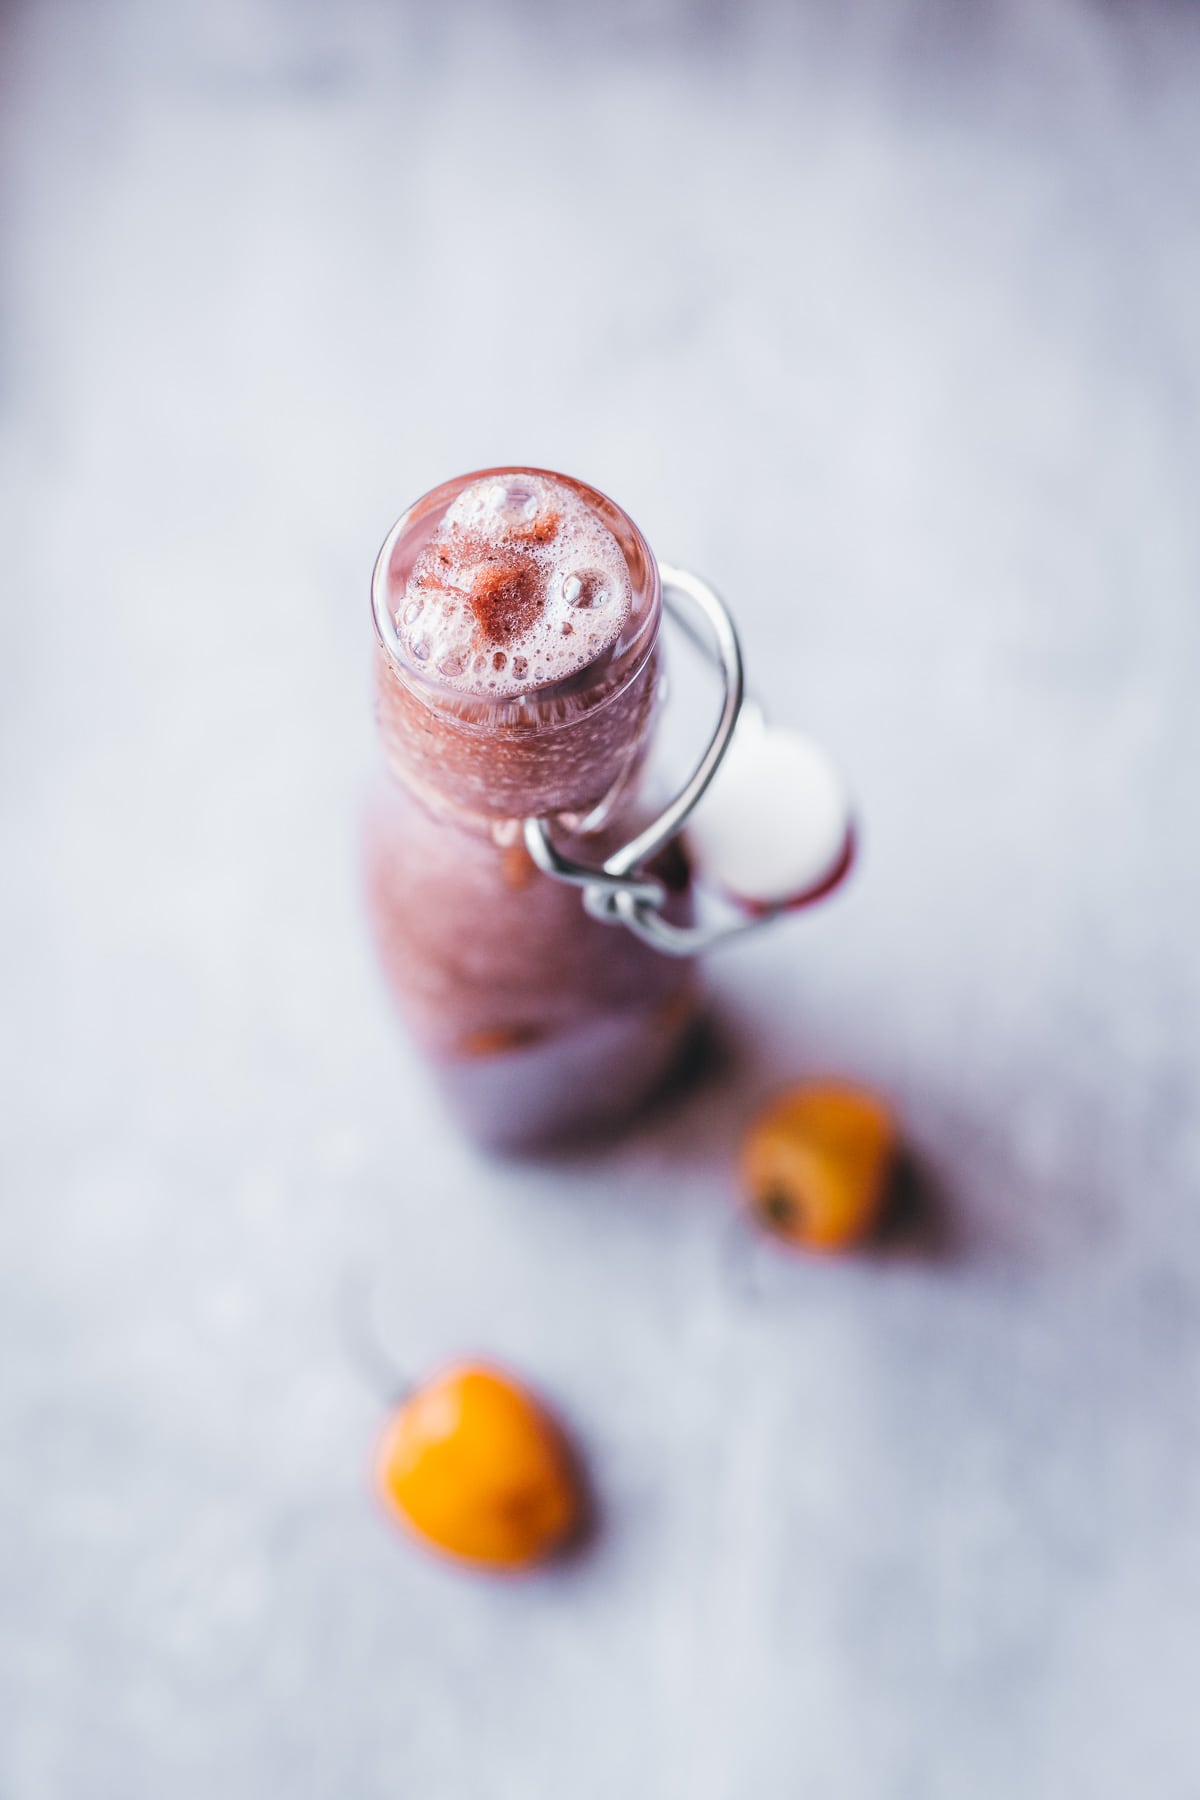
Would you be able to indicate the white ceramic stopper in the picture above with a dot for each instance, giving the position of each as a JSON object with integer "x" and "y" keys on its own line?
{"x": 774, "y": 827}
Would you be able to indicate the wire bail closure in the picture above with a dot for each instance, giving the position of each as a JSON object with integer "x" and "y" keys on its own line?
{"x": 618, "y": 891}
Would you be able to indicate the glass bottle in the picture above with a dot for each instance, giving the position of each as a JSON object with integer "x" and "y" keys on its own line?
{"x": 520, "y": 681}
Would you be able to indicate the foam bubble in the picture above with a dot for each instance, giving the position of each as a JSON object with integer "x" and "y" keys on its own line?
{"x": 523, "y": 584}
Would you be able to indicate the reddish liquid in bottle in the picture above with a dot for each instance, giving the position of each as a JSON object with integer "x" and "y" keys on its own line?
{"x": 541, "y": 1021}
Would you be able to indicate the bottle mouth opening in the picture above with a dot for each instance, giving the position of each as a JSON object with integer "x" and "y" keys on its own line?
{"x": 542, "y": 704}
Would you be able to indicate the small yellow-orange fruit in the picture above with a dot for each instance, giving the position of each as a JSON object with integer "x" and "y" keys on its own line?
{"x": 817, "y": 1164}
{"x": 477, "y": 1468}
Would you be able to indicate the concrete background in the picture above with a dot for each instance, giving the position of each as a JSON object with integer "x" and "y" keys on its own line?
{"x": 888, "y": 318}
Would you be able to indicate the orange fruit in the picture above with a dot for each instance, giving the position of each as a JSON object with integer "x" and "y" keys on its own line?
{"x": 816, "y": 1166}
{"x": 475, "y": 1466}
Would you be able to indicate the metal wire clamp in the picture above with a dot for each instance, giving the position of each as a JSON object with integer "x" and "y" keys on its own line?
{"x": 618, "y": 891}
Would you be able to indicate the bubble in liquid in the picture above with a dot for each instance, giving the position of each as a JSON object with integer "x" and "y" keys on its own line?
{"x": 568, "y": 630}
{"x": 516, "y": 498}
{"x": 413, "y": 610}
{"x": 420, "y": 650}
{"x": 586, "y": 590}
{"x": 520, "y": 665}
{"x": 498, "y": 661}
{"x": 453, "y": 663}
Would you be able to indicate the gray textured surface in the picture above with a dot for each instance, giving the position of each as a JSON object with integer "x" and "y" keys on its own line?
{"x": 887, "y": 318}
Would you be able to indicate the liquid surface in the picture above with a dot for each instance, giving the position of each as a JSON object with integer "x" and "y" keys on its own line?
{"x": 522, "y": 585}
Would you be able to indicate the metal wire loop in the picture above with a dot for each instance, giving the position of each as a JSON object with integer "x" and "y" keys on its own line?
{"x": 618, "y": 891}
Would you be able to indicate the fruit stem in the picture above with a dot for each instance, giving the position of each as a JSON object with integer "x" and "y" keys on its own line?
{"x": 362, "y": 1343}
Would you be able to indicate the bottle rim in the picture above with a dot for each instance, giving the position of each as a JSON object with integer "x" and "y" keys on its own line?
{"x": 540, "y": 706}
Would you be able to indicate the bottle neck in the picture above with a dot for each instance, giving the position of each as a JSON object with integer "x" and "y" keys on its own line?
{"x": 479, "y": 572}
{"x": 577, "y": 763}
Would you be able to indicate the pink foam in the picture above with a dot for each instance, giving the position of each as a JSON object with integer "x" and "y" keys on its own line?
{"x": 522, "y": 586}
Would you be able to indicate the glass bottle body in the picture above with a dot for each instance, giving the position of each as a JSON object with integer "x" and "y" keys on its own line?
{"x": 540, "y": 1021}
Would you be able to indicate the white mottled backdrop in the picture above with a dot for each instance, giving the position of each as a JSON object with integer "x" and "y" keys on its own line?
{"x": 886, "y": 316}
